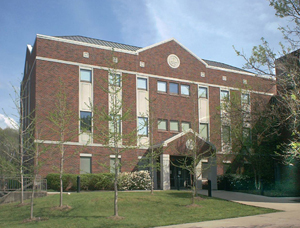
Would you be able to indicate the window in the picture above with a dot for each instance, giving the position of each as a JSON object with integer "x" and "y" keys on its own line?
{"x": 85, "y": 75}
{"x": 85, "y": 121}
{"x": 85, "y": 165}
{"x": 203, "y": 130}
{"x": 185, "y": 126}
{"x": 246, "y": 135}
{"x": 226, "y": 134}
{"x": 162, "y": 125}
{"x": 142, "y": 83}
{"x": 115, "y": 126}
{"x": 174, "y": 88}
{"x": 112, "y": 164}
{"x": 185, "y": 90}
{"x": 224, "y": 95}
{"x": 143, "y": 126}
{"x": 174, "y": 125}
{"x": 161, "y": 86}
{"x": 115, "y": 80}
{"x": 202, "y": 92}
{"x": 245, "y": 98}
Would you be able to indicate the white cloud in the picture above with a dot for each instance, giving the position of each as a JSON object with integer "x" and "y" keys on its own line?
{"x": 7, "y": 122}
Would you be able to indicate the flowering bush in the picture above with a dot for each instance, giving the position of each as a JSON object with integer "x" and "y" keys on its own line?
{"x": 138, "y": 180}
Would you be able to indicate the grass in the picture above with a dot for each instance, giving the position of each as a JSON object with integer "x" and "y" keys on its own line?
{"x": 139, "y": 209}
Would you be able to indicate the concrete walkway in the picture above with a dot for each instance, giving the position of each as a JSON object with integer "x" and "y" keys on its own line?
{"x": 290, "y": 217}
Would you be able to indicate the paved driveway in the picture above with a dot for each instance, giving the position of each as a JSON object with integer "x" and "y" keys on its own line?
{"x": 290, "y": 217}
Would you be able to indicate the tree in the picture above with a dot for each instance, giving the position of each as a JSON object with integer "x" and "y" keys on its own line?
{"x": 263, "y": 61}
{"x": 61, "y": 123}
{"x": 115, "y": 139}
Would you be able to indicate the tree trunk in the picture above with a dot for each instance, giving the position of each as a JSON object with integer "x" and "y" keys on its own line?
{"x": 32, "y": 197}
{"x": 116, "y": 188}
{"x": 22, "y": 187}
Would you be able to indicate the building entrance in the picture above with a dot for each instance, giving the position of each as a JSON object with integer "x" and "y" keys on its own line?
{"x": 179, "y": 177}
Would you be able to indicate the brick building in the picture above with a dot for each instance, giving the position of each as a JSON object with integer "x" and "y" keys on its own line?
{"x": 187, "y": 93}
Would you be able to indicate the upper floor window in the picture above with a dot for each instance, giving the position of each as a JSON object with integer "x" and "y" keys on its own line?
{"x": 224, "y": 95}
{"x": 226, "y": 134}
{"x": 115, "y": 124}
{"x": 203, "y": 130}
{"x": 185, "y": 126}
{"x": 85, "y": 121}
{"x": 174, "y": 88}
{"x": 115, "y": 79}
{"x": 174, "y": 125}
{"x": 143, "y": 126}
{"x": 85, "y": 75}
{"x": 185, "y": 90}
{"x": 246, "y": 135}
{"x": 162, "y": 125}
{"x": 202, "y": 92}
{"x": 161, "y": 86}
{"x": 245, "y": 98}
{"x": 142, "y": 83}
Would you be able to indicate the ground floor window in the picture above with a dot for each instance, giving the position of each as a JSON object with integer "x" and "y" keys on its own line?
{"x": 85, "y": 164}
{"x": 112, "y": 163}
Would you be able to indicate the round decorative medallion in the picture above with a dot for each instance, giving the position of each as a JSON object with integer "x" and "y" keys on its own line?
{"x": 190, "y": 144}
{"x": 173, "y": 61}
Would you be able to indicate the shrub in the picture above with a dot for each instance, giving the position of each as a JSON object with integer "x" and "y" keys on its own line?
{"x": 139, "y": 180}
{"x": 100, "y": 181}
{"x": 233, "y": 182}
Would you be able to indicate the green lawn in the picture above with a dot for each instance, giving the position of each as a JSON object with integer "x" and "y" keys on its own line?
{"x": 139, "y": 209}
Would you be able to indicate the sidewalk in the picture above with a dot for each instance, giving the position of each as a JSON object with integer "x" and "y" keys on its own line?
{"x": 290, "y": 217}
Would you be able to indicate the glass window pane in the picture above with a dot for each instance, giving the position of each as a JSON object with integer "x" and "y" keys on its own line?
{"x": 173, "y": 88}
{"x": 174, "y": 126}
{"x": 185, "y": 126}
{"x": 246, "y": 135}
{"x": 117, "y": 122}
{"x": 245, "y": 98}
{"x": 85, "y": 121}
{"x": 202, "y": 92}
{"x": 143, "y": 126}
{"x": 85, "y": 75}
{"x": 226, "y": 134}
{"x": 224, "y": 95}
{"x": 112, "y": 165}
{"x": 142, "y": 83}
{"x": 204, "y": 131}
{"x": 162, "y": 125}
{"x": 185, "y": 90}
{"x": 85, "y": 165}
{"x": 162, "y": 86}
{"x": 115, "y": 79}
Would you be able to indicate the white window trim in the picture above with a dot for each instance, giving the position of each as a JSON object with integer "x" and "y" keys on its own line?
{"x": 85, "y": 155}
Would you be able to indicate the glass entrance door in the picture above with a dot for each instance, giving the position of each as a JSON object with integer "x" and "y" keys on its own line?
{"x": 178, "y": 177}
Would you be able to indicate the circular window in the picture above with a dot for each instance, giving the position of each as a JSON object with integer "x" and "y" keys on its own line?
{"x": 173, "y": 61}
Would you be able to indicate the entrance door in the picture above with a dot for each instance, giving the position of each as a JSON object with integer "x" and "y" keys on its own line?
{"x": 179, "y": 177}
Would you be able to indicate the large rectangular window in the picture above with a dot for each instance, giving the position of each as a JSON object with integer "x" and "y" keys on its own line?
{"x": 185, "y": 126}
{"x": 174, "y": 125}
{"x": 85, "y": 75}
{"x": 142, "y": 83}
{"x": 85, "y": 165}
{"x": 246, "y": 135}
{"x": 115, "y": 80}
{"x": 203, "y": 131}
{"x": 226, "y": 134}
{"x": 185, "y": 90}
{"x": 202, "y": 92}
{"x": 112, "y": 165}
{"x": 161, "y": 86}
{"x": 143, "y": 126}
{"x": 224, "y": 95}
{"x": 115, "y": 125}
{"x": 162, "y": 125}
{"x": 85, "y": 121}
{"x": 245, "y": 98}
{"x": 174, "y": 88}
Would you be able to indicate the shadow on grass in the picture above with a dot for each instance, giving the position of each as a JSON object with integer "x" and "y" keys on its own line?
{"x": 184, "y": 195}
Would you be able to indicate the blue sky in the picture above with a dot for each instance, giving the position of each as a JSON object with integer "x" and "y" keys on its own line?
{"x": 207, "y": 28}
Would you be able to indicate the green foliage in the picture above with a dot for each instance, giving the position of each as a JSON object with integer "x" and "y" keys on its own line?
{"x": 232, "y": 182}
{"x": 100, "y": 181}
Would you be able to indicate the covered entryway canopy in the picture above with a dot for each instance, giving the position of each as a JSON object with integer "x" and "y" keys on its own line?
{"x": 187, "y": 147}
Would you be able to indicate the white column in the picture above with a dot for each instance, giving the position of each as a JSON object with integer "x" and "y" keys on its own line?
{"x": 165, "y": 171}
{"x": 213, "y": 173}
{"x": 199, "y": 176}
